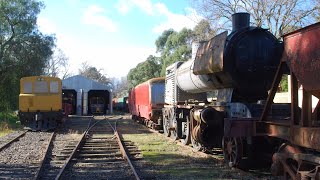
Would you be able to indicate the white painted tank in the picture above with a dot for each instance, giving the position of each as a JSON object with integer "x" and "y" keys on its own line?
{"x": 191, "y": 83}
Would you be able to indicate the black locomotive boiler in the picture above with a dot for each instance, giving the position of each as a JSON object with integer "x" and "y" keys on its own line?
{"x": 229, "y": 77}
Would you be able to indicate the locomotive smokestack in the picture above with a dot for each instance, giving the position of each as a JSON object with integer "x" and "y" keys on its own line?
{"x": 240, "y": 20}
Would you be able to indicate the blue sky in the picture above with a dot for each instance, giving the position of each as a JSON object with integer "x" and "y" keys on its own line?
{"x": 114, "y": 35}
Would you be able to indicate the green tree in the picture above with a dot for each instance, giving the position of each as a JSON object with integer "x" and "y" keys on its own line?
{"x": 144, "y": 71}
{"x": 162, "y": 39}
{"x": 24, "y": 50}
{"x": 177, "y": 47}
{"x": 203, "y": 31}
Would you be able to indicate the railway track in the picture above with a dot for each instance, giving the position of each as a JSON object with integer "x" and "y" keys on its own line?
{"x": 19, "y": 153}
{"x": 10, "y": 139}
{"x": 97, "y": 153}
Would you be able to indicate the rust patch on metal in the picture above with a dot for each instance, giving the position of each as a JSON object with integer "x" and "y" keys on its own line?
{"x": 239, "y": 127}
{"x": 303, "y": 56}
{"x": 306, "y": 137}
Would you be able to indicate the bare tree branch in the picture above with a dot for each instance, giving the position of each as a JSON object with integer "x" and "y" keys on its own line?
{"x": 276, "y": 15}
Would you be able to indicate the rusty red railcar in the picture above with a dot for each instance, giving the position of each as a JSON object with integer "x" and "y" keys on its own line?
{"x": 146, "y": 101}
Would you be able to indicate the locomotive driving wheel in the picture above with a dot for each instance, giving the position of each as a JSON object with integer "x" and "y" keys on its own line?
{"x": 232, "y": 150}
{"x": 186, "y": 129}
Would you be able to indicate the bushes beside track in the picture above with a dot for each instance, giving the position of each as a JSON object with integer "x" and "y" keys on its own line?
{"x": 8, "y": 121}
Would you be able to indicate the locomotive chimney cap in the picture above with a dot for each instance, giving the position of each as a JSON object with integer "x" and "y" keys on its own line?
{"x": 240, "y": 20}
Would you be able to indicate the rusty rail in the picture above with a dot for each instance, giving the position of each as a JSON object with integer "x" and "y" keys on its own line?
{"x": 123, "y": 150}
{"x": 38, "y": 175}
{"x": 75, "y": 149}
{"x": 12, "y": 140}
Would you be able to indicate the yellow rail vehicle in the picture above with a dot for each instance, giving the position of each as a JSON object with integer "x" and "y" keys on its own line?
{"x": 40, "y": 102}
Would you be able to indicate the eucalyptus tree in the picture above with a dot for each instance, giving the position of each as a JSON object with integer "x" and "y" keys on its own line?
{"x": 174, "y": 46}
{"x": 24, "y": 50}
{"x": 203, "y": 31}
{"x": 144, "y": 71}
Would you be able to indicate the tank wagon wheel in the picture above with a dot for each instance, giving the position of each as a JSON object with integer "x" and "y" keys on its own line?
{"x": 166, "y": 124}
{"x": 174, "y": 132}
{"x": 187, "y": 138}
{"x": 232, "y": 150}
{"x": 196, "y": 144}
{"x": 174, "y": 135}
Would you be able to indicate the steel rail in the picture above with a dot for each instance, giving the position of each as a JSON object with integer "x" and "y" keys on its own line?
{"x": 38, "y": 175}
{"x": 76, "y": 148}
{"x": 12, "y": 140}
{"x": 123, "y": 150}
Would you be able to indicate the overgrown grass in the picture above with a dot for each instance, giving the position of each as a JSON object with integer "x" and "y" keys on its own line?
{"x": 8, "y": 123}
{"x": 167, "y": 158}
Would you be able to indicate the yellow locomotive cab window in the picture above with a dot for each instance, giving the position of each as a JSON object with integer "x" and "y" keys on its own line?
{"x": 40, "y": 87}
{"x": 27, "y": 87}
{"x": 54, "y": 87}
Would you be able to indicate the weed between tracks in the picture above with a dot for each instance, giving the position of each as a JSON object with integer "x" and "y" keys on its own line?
{"x": 163, "y": 159}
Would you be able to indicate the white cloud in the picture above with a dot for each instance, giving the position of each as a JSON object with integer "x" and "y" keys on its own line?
{"x": 46, "y": 26}
{"x": 124, "y": 6}
{"x": 93, "y": 16}
{"x": 176, "y": 21}
{"x": 173, "y": 20}
{"x": 144, "y": 5}
{"x": 115, "y": 61}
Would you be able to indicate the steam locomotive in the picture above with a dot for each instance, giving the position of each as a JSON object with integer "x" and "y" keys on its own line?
{"x": 221, "y": 95}
{"x": 228, "y": 77}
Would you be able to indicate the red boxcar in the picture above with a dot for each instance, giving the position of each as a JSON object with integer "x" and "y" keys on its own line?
{"x": 146, "y": 101}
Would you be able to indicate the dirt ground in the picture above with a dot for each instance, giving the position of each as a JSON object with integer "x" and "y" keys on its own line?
{"x": 163, "y": 158}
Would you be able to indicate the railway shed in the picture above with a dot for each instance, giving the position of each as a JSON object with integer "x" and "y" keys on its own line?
{"x": 80, "y": 90}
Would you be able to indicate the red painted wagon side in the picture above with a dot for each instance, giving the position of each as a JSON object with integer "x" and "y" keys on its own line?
{"x": 146, "y": 101}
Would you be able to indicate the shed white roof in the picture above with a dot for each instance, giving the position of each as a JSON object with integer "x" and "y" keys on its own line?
{"x": 78, "y": 82}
